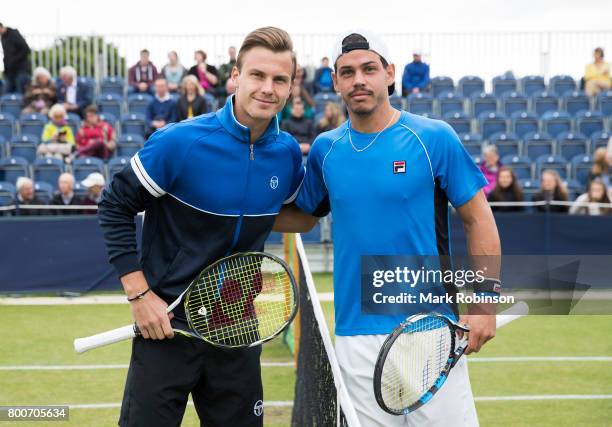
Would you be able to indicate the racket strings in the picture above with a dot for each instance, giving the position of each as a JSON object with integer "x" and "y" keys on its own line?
{"x": 414, "y": 362}
{"x": 241, "y": 301}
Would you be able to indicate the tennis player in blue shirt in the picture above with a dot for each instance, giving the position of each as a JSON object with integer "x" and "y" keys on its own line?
{"x": 387, "y": 176}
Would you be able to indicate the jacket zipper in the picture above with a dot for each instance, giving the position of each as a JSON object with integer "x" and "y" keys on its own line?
{"x": 241, "y": 217}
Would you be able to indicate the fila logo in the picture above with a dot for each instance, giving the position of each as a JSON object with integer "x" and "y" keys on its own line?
{"x": 258, "y": 408}
{"x": 399, "y": 166}
{"x": 274, "y": 182}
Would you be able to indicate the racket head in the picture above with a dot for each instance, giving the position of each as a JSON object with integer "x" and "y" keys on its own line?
{"x": 414, "y": 362}
{"x": 242, "y": 300}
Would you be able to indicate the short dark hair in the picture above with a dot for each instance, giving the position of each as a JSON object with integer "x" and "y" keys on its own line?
{"x": 91, "y": 109}
{"x": 600, "y": 51}
{"x": 358, "y": 39}
{"x": 145, "y": 51}
{"x": 202, "y": 53}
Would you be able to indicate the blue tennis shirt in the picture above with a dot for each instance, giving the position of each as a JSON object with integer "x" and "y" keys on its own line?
{"x": 387, "y": 198}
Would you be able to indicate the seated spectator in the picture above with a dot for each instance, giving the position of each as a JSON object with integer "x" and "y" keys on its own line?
{"x": 65, "y": 196}
{"x": 507, "y": 189}
{"x": 601, "y": 168}
{"x": 40, "y": 93}
{"x": 95, "y": 184}
{"x": 416, "y": 75}
{"x": 74, "y": 96}
{"x": 207, "y": 75}
{"x": 225, "y": 70}
{"x": 588, "y": 203}
{"x": 162, "y": 109}
{"x": 299, "y": 92}
{"x": 96, "y": 137}
{"x": 299, "y": 126}
{"x": 490, "y": 166}
{"x": 142, "y": 75}
{"x": 597, "y": 74}
{"x": 332, "y": 118}
{"x": 191, "y": 103}
{"x": 173, "y": 72}
{"x": 57, "y": 139}
{"x": 323, "y": 77}
{"x": 551, "y": 189}
{"x": 26, "y": 196}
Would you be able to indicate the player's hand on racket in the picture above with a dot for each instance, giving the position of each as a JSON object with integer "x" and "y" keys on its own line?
{"x": 150, "y": 311}
{"x": 482, "y": 329}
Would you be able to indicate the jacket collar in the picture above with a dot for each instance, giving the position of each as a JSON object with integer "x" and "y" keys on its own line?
{"x": 238, "y": 130}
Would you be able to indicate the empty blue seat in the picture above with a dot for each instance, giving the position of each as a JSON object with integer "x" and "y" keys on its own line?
{"x": 133, "y": 123}
{"x": 458, "y": 121}
{"x": 581, "y": 168}
{"x": 503, "y": 84}
{"x": 11, "y": 103}
{"x": 506, "y": 143}
{"x": 441, "y": 84}
{"x": 213, "y": 104}
{"x": 112, "y": 85}
{"x": 599, "y": 139}
{"x": 44, "y": 191}
{"x": 116, "y": 164}
{"x": 561, "y": 84}
{"x": 472, "y": 143}
{"x": 513, "y": 102}
{"x": 138, "y": 103}
{"x": 89, "y": 83}
{"x": 570, "y": 144}
{"x": 395, "y": 100}
{"x": 576, "y": 102}
{"x": 604, "y": 103}
{"x": 320, "y": 100}
{"x": 108, "y": 118}
{"x": 556, "y": 163}
{"x": 129, "y": 144}
{"x": 110, "y": 103}
{"x": 83, "y": 166}
{"x": 544, "y": 102}
{"x": 450, "y": 102}
{"x": 48, "y": 169}
{"x": 419, "y": 103}
{"x": 491, "y": 123}
{"x": 7, "y": 193}
{"x": 7, "y": 126}
{"x": 530, "y": 187}
{"x": 32, "y": 124}
{"x": 469, "y": 85}
{"x": 74, "y": 121}
{"x": 483, "y": 102}
{"x": 589, "y": 122}
{"x": 532, "y": 84}
{"x": 3, "y": 147}
{"x": 556, "y": 122}
{"x": 538, "y": 144}
{"x": 521, "y": 165}
{"x": 523, "y": 123}
{"x": 23, "y": 148}
{"x": 12, "y": 168}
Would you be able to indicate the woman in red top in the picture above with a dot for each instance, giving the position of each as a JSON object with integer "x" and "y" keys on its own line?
{"x": 96, "y": 137}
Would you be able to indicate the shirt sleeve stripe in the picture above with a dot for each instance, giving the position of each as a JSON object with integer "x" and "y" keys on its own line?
{"x": 144, "y": 178}
{"x": 297, "y": 190}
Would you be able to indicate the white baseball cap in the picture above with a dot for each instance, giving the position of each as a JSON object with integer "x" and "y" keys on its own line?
{"x": 367, "y": 41}
{"x": 94, "y": 178}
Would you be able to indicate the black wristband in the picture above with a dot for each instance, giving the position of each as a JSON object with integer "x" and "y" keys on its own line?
{"x": 139, "y": 295}
{"x": 488, "y": 285}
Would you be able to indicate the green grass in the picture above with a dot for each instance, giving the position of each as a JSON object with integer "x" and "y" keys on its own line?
{"x": 42, "y": 335}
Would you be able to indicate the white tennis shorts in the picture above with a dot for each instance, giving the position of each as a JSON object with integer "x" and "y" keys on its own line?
{"x": 452, "y": 406}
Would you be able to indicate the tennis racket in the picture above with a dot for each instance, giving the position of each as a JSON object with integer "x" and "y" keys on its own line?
{"x": 416, "y": 358}
{"x": 239, "y": 301}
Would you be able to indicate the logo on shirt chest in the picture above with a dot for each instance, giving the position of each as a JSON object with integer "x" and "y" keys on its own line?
{"x": 399, "y": 166}
{"x": 274, "y": 182}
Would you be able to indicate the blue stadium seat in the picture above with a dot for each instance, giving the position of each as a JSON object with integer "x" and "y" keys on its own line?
{"x": 503, "y": 84}
{"x": 79, "y": 189}
{"x": 570, "y": 145}
{"x": 11, "y": 103}
{"x": 472, "y": 143}
{"x": 521, "y": 165}
{"x": 129, "y": 144}
{"x": 138, "y": 103}
{"x": 32, "y": 124}
{"x": 7, "y": 126}
{"x": 83, "y": 166}
{"x": 396, "y": 101}
{"x": 320, "y": 100}
{"x": 483, "y": 102}
{"x": 538, "y": 144}
{"x": 523, "y": 123}
{"x": 109, "y": 118}
{"x": 604, "y": 103}
{"x": 213, "y": 104}
{"x": 458, "y": 121}
{"x": 556, "y": 122}
{"x": 441, "y": 84}
{"x": 561, "y": 84}
{"x": 575, "y": 102}
{"x": 134, "y": 124}
{"x": 581, "y": 168}
{"x": 116, "y": 164}
{"x": 506, "y": 143}
{"x": 599, "y": 139}
{"x": 110, "y": 103}
{"x": 450, "y": 102}
{"x": 44, "y": 191}
{"x": 589, "y": 122}
{"x": 24, "y": 147}
{"x": 530, "y": 187}
{"x": 8, "y": 193}
{"x": 532, "y": 84}
{"x": 419, "y": 103}
{"x": 491, "y": 123}
{"x": 48, "y": 169}
{"x": 12, "y": 168}
{"x": 543, "y": 102}
{"x": 74, "y": 121}
{"x": 3, "y": 147}
{"x": 574, "y": 188}
{"x": 89, "y": 83}
{"x": 112, "y": 85}
{"x": 513, "y": 102}
{"x": 557, "y": 163}
{"x": 469, "y": 85}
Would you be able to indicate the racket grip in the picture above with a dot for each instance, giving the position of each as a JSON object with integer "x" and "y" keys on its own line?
{"x": 519, "y": 309}
{"x": 109, "y": 337}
